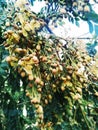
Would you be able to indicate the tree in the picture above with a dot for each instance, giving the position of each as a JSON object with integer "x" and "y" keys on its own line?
{"x": 44, "y": 84}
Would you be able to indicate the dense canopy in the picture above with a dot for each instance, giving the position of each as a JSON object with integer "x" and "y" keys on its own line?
{"x": 46, "y": 82}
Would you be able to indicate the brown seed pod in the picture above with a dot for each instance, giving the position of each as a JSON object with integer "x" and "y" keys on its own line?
{"x": 46, "y": 101}
{"x": 30, "y": 77}
{"x": 39, "y": 89}
{"x": 85, "y": 85}
{"x": 18, "y": 50}
{"x": 81, "y": 79}
{"x": 37, "y": 80}
{"x": 23, "y": 74}
{"x": 69, "y": 67}
{"x": 86, "y": 8}
{"x": 38, "y": 47}
{"x": 54, "y": 64}
{"x": 53, "y": 86}
{"x": 42, "y": 83}
{"x": 75, "y": 4}
{"x": 44, "y": 58}
{"x": 79, "y": 90}
{"x": 50, "y": 97}
{"x": 39, "y": 110}
{"x": 63, "y": 78}
{"x": 68, "y": 77}
{"x": 27, "y": 94}
{"x": 26, "y": 58}
{"x": 77, "y": 96}
{"x": 54, "y": 71}
{"x": 48, "y": 78}
{"x": 7, "y": 24}
{"x": 96, "y": 94}
{"x": 70, "y": 71}
{"x": 8, "y": 59}
{"x": 35, "y": 59}
{"x": 49, "y": 49}
{"x": 35, "y": 100}
{"x": 62, "y": 88}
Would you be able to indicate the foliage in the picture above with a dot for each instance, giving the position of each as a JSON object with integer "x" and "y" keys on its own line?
{"x": 44, "y": 84}
{"x": 74, "y": 10}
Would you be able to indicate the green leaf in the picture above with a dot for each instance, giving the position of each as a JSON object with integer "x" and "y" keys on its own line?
{"x": 2, "y": 72}
{"x": 4, "y": 65}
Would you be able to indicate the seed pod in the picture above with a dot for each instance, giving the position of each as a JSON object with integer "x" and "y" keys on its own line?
{"x": 26, "y": 58}
{"x": 50, "y": 96}
{"x": 7, "y": 24}
{"x": 86, "y": 8}
{"x": 70, "y": 71}
{"x": 44, "y": 59}
{"x": 79, "y": 90}
{"x": 48, "y": 78}
{"x": 27, "y": 94}
{"x": 54, "y": 71}
{"x": 30, "y": 77}
{"x": 8, "y": 59}
{"x": 80, "y": 9}
{"x": 63, "y": 88}
{"x": 69, "y": 67}
{"x": 39, "y": 109}
{"x": 63, "y": 78}
{"x": 34, "y": 100}
{"x": 42, "y": 83}
{"x": 35, "y": 59}
{"x": 75, "y": 4}
{"x": 18, "y": 50}
{"x": 39, "y": 89}
{"x": 23, "y": 74}
{"x": 68, "y": 77}
{"x": 96, "y": 94}
{"x": 37, "y": 80}
{"x": 54, "y": 64}
{"x": 38, "y": 47}
{"x": 53, "y": 86}
{"x": 46, "y": 101}
{"x": 85, "y": 85}
{"x": 81, "y": 80}
{"x": 49, "y": 49}
{"x": 77, "y": 96}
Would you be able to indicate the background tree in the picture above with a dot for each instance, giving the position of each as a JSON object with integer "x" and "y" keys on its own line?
{"x": 45, "y": 85}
